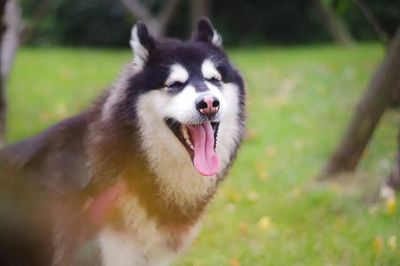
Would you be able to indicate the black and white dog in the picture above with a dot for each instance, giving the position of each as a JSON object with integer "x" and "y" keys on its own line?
{"x": 132, "y": 175}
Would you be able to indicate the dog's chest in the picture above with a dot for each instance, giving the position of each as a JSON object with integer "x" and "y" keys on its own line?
{"x": 141, "y": 241}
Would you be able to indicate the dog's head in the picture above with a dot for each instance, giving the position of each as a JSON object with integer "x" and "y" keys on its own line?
{"x": 190, "y": 99}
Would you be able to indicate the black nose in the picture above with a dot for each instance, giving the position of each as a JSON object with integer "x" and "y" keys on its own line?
{"x": 207, "y": 105}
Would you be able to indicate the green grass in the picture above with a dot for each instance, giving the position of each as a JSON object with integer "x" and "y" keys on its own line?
{"x": 299, "y": 102}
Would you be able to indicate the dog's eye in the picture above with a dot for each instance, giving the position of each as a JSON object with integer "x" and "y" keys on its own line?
{"x": 214, "y": 80}
{"x": 176, "y": 85}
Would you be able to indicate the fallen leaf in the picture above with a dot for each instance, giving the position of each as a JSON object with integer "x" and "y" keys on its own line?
{"x": 392, "y": 242}
{"x": 230, "y": 207}
{"x": 262, "y": 173}
{"x": 391, "y": 205}
{"x": 263, "y": 176}
{"x": 264, "y": 223}
{"x": 261, "y": 166}
{"x": 45, "y": 117}
{"x": 271, "y": 151}
{"x": 233, "y": 196}
{"x": 235, "y": 262}
{"x": 296, "y": 192}
{"x": 252, "y": 196}
{"x": 335, "y": 188}
{"x": 378, "y": 245}
{"x": 244, "y": 228}
{"x": 250, "y": 134}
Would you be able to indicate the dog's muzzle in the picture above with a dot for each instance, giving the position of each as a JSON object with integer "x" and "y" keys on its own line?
{"x": 207, "y": 104}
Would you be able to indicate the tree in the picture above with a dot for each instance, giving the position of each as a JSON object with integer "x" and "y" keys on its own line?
{"x": 11, "y": 26}
{"x": 198, "y": 9}
{"x": 2, "y": 93}
{"x": 382, "y": 35}
{"x": 333, "y": 23}
{"x": 156, "y": 24}
{"x": 384, "y": 83}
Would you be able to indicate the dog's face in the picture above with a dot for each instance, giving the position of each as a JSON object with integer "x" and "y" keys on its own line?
{"x": 191, "y": 98}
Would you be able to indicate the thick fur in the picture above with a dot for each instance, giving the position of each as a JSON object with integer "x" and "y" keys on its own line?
{"x": 122, "y": 149}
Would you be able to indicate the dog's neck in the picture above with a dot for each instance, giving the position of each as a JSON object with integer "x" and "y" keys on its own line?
{"x": 174, "y": 195}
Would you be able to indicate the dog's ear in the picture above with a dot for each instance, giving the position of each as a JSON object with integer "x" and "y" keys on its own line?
{"x": 142, "y": 43}
{"x": 207, "y": 33}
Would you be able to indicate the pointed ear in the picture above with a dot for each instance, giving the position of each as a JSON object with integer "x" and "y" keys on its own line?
{"x": 142, "y": 43}
{"x": 207, "y": 33}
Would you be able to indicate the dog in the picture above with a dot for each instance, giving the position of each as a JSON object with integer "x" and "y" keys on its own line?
{"x": 126, "y": 181}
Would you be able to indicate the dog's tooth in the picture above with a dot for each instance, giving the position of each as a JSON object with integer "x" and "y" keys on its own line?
{"x": 185, "y": 132}
{"x": 187, "y": 137}
{"x": 188, "y": 141}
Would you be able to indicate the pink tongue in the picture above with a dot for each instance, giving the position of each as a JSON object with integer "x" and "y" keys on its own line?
{"x": 206, "y": 161}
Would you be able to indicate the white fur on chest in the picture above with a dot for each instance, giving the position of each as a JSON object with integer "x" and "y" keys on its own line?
{"x": 142, "y": 242}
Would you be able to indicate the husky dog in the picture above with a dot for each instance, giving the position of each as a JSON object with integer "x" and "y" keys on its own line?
{"x": 127, "y": 180}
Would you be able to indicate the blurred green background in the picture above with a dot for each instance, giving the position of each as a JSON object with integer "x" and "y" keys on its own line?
{"x": 108, "y": 22}
{"x": 303, "y": 85}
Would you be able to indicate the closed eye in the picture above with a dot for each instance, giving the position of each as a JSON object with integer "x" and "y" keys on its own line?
{"x": 174, "y": 86}
{"x": 214, "y": 80}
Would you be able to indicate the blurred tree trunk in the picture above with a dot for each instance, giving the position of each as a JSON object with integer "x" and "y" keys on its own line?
{"x": 333, "y": 23}
{"x": 2, "y": 93}
{"x": 10, "y": 36}
{"x": 376, "y": 26}
{"x": 199, "y": 9}
{"x": 157, "y": 24}
{"x": 395, "y": 98}
{"x": 368, "y": 113}
{"x": 384, "y": 37}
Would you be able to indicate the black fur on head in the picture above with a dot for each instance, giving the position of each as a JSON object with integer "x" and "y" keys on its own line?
{"x": 144, "y": 36}
{"x": 143, "y": 44}
{"x": 155, "y": 57}
{"x": 190, "y": 54}
{"x": 207, "y": 33}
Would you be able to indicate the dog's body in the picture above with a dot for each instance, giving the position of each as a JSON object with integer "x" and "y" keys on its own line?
{"x": 134, "y": 173}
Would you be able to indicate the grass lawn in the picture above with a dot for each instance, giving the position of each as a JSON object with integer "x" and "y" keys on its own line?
{"x": 270, "y": 211}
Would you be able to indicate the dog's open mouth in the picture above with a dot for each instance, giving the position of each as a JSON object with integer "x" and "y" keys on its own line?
{"x": 200, "y": 141}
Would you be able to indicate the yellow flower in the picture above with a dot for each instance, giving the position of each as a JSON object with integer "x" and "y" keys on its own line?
{"x": 391, "y": 205}
{"x": 263, "y": 176}
{"x": 264, "y": 223}
{"x": 233, "y": 196}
